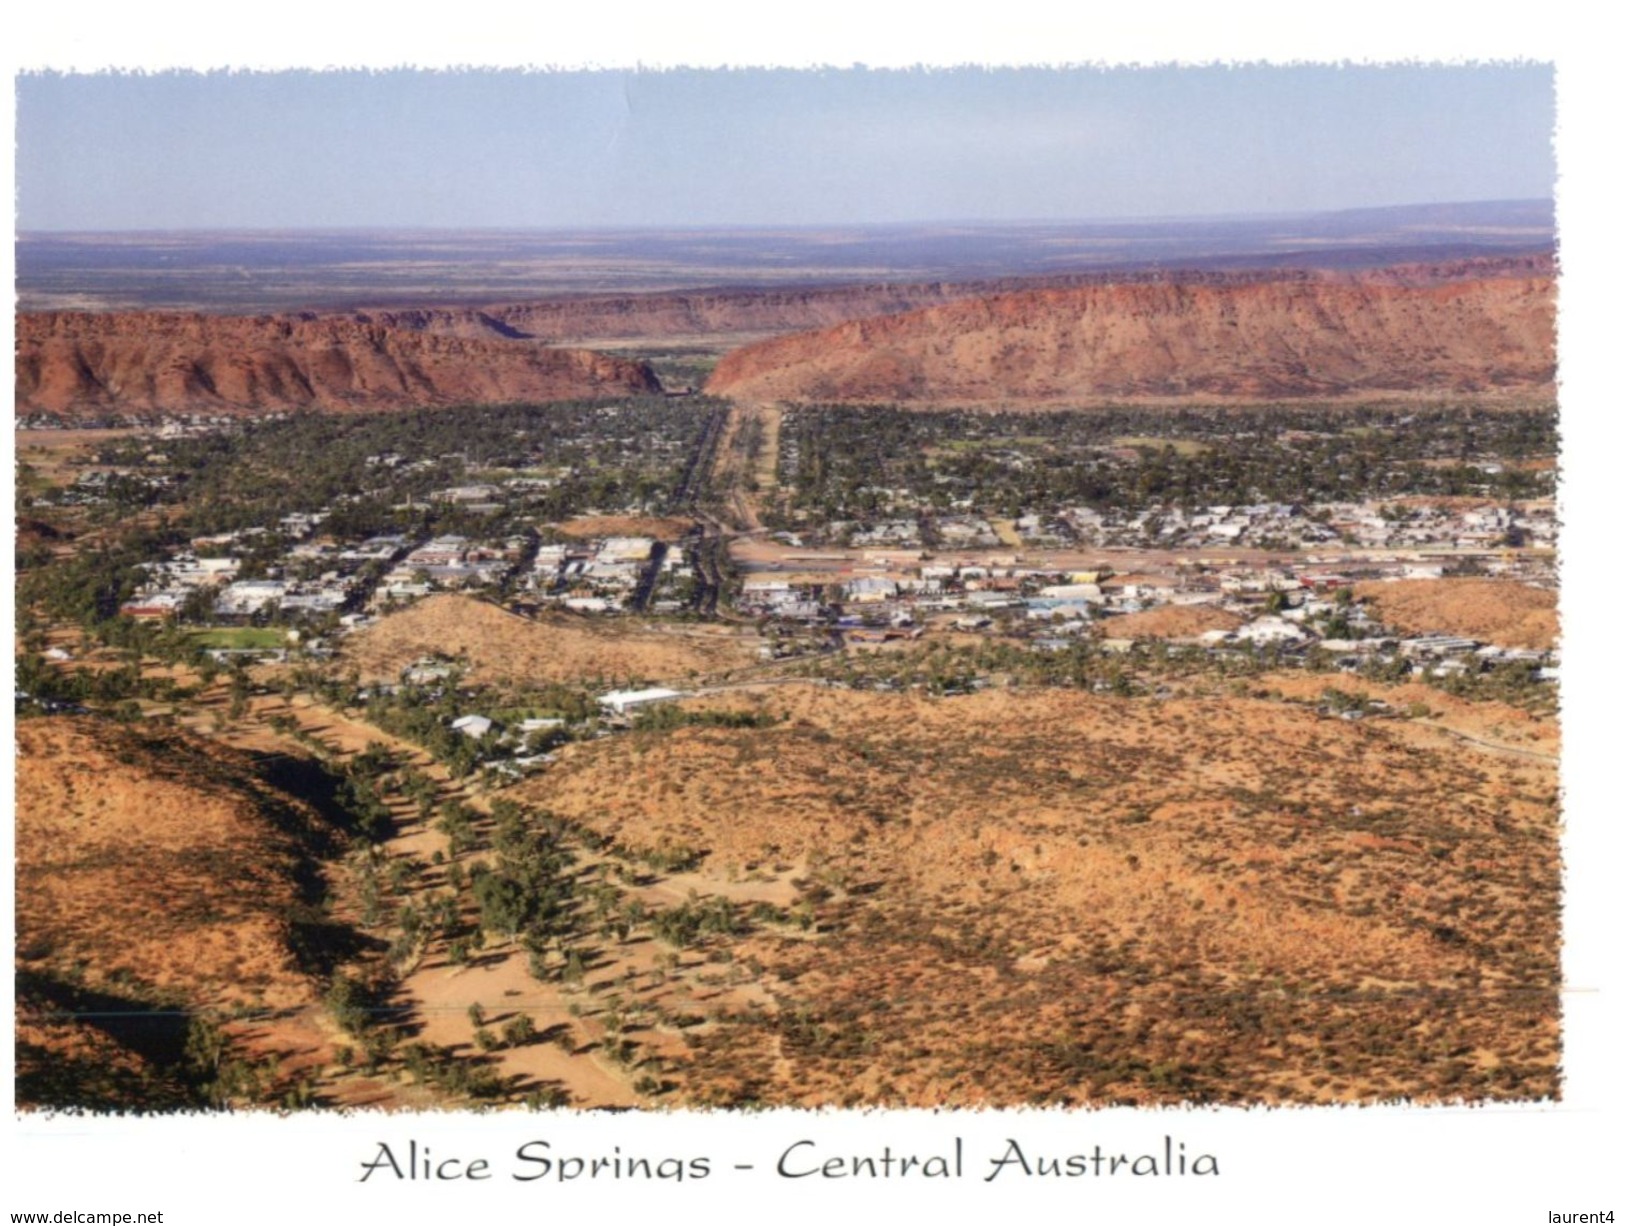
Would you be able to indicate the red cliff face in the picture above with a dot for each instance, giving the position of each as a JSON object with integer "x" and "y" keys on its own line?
{"x": 752, "y": 312}
{"x": 80, "y": 364}
{"x": 1467, "y": 325}
{"x": 1270, "y": 339}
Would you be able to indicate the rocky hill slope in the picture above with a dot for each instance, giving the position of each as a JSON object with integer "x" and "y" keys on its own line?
{"x": 77, "y": 364}
{"x": 1460, "y": 324}
{"x": 152, "y": 858}
{"x": 160, "y": 878}
{"x": 1307, "y": 337}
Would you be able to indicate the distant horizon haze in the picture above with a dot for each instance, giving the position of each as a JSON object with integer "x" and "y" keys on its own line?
{"x": 924, "y": 223}
{"x": 506, "y": 149}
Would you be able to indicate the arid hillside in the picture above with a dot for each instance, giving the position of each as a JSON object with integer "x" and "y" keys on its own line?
{"x": 82, "y": 364}
{"x": 159, "y": 877}
{"x": 1494, "y": 611}
{"x": 1171, "y": 622}
{"x": 157, "y": 859}
{"x": 1285, "y": 339}
{"x": 1066, "y": 897}
{"x": 500, "y": 646}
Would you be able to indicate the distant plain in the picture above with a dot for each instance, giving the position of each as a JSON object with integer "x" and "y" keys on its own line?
{"x": 247, "y": 272}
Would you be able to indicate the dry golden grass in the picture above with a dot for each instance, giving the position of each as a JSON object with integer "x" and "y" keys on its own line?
{"x": 54, "y": 1049}
{"x": 1494, "y": 722}
{"x": 667, "y": 528}
{"x": 501, "y": 646}
{"x": 151, "y": 863}
{"x": 1498, "y": 611}
{"x": 1056, "y": 896}
{"x": 1171, "y": 622}
{"x": 59, "y": 456}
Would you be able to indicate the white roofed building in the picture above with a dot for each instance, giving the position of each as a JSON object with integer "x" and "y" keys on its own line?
{"x": 622, "y": 701}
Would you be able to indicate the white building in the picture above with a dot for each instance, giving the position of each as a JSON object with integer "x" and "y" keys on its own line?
{"x": 474, "y": 726}
{"x": 1272, "y": 630}
{"x": 622, "y": 701}
{"x": 248, "y": 596}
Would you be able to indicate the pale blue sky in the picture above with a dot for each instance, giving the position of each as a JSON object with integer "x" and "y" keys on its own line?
{"x": 768, "y": 147}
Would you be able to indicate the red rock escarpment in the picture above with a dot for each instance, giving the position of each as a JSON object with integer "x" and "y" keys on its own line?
{"x": 745, "y": 311}
{"x": 1283, "y": 339}
{"x": 74, "y": 364}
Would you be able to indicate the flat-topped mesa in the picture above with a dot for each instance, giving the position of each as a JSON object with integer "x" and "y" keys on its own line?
{"x": 1320, "y": 338}
{"x": 79, "y": 364}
